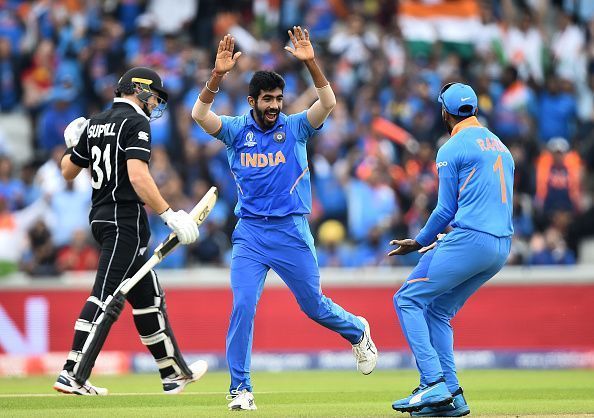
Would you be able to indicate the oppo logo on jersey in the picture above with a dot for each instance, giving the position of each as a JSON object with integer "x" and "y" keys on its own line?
{"x": 107, "y": 129}
{"x": 262, "y": 160}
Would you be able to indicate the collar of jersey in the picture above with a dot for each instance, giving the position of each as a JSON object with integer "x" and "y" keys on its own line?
{"x": 131, "y": 103}
{"x": 471, "y": 122}
{"x": 279, "y": 121}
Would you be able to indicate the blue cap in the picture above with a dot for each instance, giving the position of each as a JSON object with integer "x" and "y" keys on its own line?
{"x": 458, "y": 99}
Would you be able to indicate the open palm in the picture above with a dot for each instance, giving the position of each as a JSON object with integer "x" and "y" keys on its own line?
{"x": 226, "y": 59}
{"x": 302, "y": 48}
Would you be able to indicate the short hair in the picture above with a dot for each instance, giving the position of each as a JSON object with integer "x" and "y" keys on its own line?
{"x": 265, "y": 80}
{"x": 459, "y": 119}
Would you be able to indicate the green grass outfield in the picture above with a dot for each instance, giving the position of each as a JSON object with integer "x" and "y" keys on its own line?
{"x": 306, "y": 394}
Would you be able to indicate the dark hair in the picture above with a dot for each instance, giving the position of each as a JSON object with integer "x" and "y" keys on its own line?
{"x": 265, "y": 80}
{"x": 459, "y": 119}
{"x": 124, "y": 88}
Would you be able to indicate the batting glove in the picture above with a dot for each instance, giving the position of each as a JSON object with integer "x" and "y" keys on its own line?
{"x": 74, "y": 130}
{"x": 182, "y": 224}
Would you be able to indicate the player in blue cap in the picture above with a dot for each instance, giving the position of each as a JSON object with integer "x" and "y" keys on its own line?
{"x": 475, "y": 197}
{"x": 267, "y": 154}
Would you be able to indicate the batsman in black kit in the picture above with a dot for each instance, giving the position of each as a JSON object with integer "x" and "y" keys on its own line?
{"x": 116, "y": 147}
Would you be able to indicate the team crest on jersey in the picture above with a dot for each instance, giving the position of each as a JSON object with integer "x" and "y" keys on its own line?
{"x": 143, "y": 135}
{"x": 279, "y": 137}
{"x": 249, "y": 139}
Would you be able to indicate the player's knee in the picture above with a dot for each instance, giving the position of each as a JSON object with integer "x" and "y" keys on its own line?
{"x": 91, "y": 309}
{"x": 245, "y": 304}
{"x": 395, "y": 300}
{"x": 314, "y": 308}
{"x": 403, "y": 302}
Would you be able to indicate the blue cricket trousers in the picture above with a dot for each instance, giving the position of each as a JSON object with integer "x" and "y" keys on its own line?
{"x": 285, "y": 245}
{"x": 437, "y": 288}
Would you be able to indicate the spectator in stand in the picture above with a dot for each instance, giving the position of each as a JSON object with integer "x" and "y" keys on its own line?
{"x": 178, "y": 17}
{"x": 558, "y": 178}
{"x": 568, "y": 50}
{"x": 356, "y": 42}
{"x": 76, "y": 204}
{"x": 53, "y": 120}
{"x": 49, "y": 176}
{"x": 10, "y": 85}
{"x": 550, "y": 248}
{"x": 331, "y": 247}
{"x": 422, "y": 171}
{"x": 327, "y": 182}
{"x": 31, "y": 191}
{"x": 214, "y": 242}
{"x": 37, "y": 78}
{"x": 523, "y": 47}
{"x": 78, "y": 255}
{"x": 101, "y": 60}
{"x": 144, "y": 42}
{"x": 372, "y": 203}
{"x": 12, "y": 189}
{"x": 39, "y": 260}
{"x": 371, "y": 252}
{"x": 13, "y": 231}
{"x": 557, "y": 109}
{"x": 522, "y": 219}
{"x": 524, "y": 172}
{"x": 514, "y": 108}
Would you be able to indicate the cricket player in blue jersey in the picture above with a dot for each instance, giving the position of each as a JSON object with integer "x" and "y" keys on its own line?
{"x": 267, "y": 155}
{"x": 475, "y": 196}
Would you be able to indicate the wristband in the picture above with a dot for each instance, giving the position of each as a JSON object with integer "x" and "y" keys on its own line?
{"x": 212, "y": 91}
{"x": 165, "y": 216}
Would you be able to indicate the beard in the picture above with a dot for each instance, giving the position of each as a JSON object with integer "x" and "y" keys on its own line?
{"x": 446, "y": 124}
{"x": 260, "y": 117}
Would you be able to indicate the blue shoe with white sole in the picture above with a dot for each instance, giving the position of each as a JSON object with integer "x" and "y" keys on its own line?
{"x": 457, "y": 408}
{"x": 433, "y": 395}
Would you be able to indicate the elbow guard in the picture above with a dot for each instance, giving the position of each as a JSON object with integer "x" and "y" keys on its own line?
{"x": 327, "y": 97}
{"x": 203, "y": 116}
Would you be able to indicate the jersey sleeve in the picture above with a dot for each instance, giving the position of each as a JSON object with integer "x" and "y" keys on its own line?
{"x": 230, "y": 128}
{"x": 300, "y": 126}
{"x": 137, "y": 143}
{"x": 80, "y": 152}
{"x": 447, "y": 198}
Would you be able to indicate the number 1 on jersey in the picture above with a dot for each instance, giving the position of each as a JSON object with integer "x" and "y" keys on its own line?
{"x": 499, "y": 166}
{"x": 96, "y": 155}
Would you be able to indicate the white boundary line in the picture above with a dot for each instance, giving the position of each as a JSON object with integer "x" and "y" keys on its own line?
{"x": 56, "y": 395}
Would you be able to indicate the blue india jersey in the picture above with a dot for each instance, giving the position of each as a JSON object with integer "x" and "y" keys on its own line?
{"x": 269, "y": 166}
{"x": 476, "y": 174}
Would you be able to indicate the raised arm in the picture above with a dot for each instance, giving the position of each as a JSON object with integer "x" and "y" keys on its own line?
{"x": 303, "y": 50}
{"x": 225, "y": 61}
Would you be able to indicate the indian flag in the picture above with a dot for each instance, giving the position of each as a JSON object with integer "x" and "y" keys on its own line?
{"x": 449, "y": 21}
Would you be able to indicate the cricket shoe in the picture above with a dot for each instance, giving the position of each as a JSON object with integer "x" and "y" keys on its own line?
{"x": 241, "y": 400}
{"x": 433, "y": 395}
{"x": 67, "y": 384}
{"x": 457, "y": 408}
{"x": 365, "y": 351}
{"x": 175, "y": 385}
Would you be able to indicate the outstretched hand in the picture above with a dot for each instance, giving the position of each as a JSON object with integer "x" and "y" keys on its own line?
{"x": 226, "y": 59}
{"x": 405, "y": 246}
{"x": 302, "y": 48}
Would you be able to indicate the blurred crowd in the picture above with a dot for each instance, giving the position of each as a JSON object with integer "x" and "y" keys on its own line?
{"x": 373, "y": 169}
